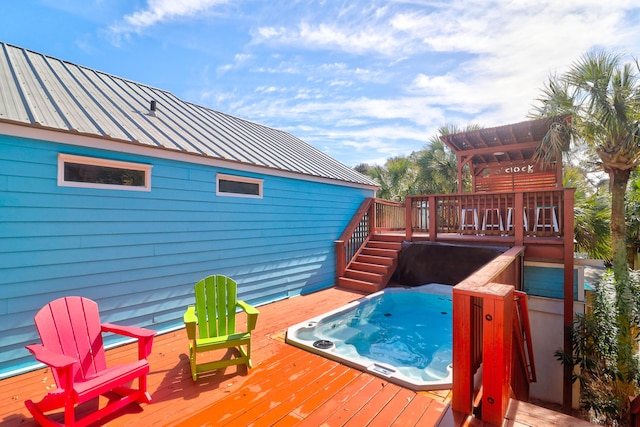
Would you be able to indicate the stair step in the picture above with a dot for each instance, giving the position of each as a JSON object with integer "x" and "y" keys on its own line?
{"x": 372, "y": 259}
{"x": 371, "y": 268}
{"x": 359, "y": 285}
{"x": 389, "y": 253}
{"x": 388, "y": 237}
{"x": 363, "y": 275}
{"x": 396, "y": 246}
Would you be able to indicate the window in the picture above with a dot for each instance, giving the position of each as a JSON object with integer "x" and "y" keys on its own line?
{"x": 91, "y": 172}
{"x": 239, "y": 186}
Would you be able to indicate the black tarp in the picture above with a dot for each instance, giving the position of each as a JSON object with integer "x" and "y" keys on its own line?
{"x": 420, "y": 263}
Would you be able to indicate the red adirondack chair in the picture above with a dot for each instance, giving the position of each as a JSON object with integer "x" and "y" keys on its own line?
{"x": 72, "y": 347}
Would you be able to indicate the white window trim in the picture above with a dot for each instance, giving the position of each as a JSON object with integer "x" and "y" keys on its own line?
{"x": 237, "y": 178}
{"x": 94, "y": 161}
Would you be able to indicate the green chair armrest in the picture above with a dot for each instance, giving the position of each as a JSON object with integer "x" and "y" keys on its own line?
{"x": 252, "y": 314}
{"x": 247, "y": 308}
{"x": 190, "y": 321}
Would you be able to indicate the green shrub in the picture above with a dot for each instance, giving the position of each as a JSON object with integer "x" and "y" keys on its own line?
{"x": 605, "y": 391}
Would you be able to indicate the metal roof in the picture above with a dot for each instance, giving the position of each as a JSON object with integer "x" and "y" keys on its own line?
{"x": 44, "y": 92}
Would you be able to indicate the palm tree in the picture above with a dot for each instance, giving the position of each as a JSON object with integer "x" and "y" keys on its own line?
{"x": 438, "y": 165}
{"x": 396, "y": 178}
{"x": 591, "y": 214}
{"x": 601, "y": 93}
{"x": 633, "y": 220}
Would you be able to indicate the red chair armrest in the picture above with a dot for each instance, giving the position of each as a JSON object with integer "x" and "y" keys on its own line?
{"x": 144, "y": 336}
{"x": 128, "y": 331}
{"x": 49, "y": 358}
{"x": 60, "y": 363}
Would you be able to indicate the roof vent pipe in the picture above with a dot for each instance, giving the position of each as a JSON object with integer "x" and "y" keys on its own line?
{"x": 153, "y": 108}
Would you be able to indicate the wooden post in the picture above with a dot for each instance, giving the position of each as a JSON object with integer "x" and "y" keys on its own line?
{"x": 408, "y": 223}
{"x": 518, "y": 218}
{"x": 460, "y": 172}
{"x": 492, "y": 327}
{"x": 433, "y": 218}
{"x": 497, "y": 347}
{"x": 558, "y": 164}
{"x": 462, "y": 399}
{"x": 372, "y": 218}
{"x": 567, "y": 214}
{"x": 340, "y": 259}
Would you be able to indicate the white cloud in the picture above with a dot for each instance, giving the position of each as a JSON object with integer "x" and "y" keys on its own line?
{"x": 355, "y": 30}
{"x": 267, "y": 89}
{"x": 499, "y": 53}
{"x": 378, "y": 81}
{"x": 160, "y": 11}
{"x": 511, "y": 49}
{"x": 239, "y": 59}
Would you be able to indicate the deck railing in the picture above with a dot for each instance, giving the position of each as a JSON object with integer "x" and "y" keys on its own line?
{"x": 516, "y": 215}
{"x": 520, "y": 214}
{"x": 511, "y": 217}
{"x": 390, "y": 216}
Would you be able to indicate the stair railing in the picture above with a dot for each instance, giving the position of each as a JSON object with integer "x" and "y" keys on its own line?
{"x": 524, "y": 368}
{"x": 355, "y": 235}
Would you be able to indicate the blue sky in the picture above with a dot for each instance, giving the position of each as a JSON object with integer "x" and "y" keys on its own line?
{"x": 360, "y": 80}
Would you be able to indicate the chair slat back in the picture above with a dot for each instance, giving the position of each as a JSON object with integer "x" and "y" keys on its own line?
{"x": 71, "y": 326}
{"x": 216, "y": 298}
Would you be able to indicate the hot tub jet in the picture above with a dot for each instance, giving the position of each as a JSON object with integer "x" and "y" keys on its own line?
{"x": 323, "y": 344}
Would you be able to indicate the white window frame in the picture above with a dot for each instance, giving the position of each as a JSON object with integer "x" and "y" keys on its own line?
{"x": 95, "y": 161}
{"x": 237, "y": 178}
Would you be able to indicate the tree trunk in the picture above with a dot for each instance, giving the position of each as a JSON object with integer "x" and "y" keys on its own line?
{"x": 619, "y": 180}
{"x": 626, "y": 364}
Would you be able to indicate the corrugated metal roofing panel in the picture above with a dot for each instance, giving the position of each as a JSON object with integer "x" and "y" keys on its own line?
{"x": 132, "y": 119}
{"x": 169, "y": 127}
{"x": 187, "y": 122}
{"x": 11, "y": 103}
{"x": 99, "y": 107}
{"x": 72, "y": 113}
{"x": 37, "y": 100}
{"x": 47, "y": 92}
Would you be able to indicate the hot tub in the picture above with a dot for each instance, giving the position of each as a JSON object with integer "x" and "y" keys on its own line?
{"x": 403, "y": 335}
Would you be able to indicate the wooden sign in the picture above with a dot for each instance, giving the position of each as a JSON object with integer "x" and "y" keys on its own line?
{"x": 512, "y": 169}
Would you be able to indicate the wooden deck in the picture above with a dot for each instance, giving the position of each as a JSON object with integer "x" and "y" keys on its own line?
{"x": 286, "y": 387}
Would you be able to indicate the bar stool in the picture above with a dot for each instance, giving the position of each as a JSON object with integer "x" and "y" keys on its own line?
{"x": 542, "y": 214}
{"x": 510, "y": 219}
{"x": 465, "y": 221}
{"x": 496, "y": 219}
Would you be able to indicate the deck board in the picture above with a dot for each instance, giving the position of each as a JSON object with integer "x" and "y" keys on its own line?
{"x": 287, "y": 386}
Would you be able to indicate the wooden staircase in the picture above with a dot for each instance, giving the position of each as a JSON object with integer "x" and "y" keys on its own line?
{"x": 373, "y": 265}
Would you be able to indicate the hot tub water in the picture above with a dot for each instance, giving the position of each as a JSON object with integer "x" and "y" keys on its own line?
{"x": 404, "y": 335}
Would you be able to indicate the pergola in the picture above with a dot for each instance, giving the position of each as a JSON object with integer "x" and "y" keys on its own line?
{"x": 502, "y": 158}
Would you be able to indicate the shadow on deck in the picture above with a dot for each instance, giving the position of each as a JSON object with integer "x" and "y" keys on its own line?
{"x": 286, "y": 387}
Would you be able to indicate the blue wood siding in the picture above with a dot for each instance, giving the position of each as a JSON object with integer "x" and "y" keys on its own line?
{"x": 547, "y": 281}
{"x": 138, "y": 254}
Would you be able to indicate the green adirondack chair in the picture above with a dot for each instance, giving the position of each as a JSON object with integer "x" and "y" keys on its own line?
{"x": 211, "y": 324}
